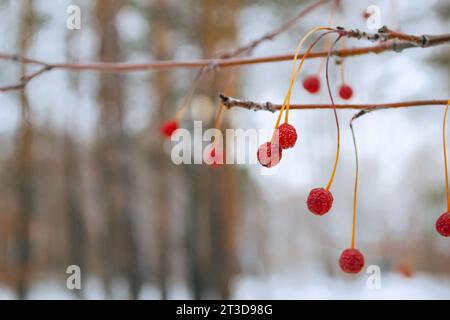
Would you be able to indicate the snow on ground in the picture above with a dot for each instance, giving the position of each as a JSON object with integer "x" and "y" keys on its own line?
{"x": 392, "y": 286}
{"x": 276, "y": 286}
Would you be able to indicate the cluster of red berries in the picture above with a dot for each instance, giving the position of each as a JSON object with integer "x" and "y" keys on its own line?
{"x": 269, "y": 153}
{"x": 312, "y": 85}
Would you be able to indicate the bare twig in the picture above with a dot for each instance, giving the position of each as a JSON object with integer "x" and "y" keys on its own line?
{"x": 274, "y": 33}
{"x": 119, "y": 67}
{"x": 25, "y": 80}
{"x": 123, "y": 67}
{"x": 385, "y": 34}
{"x": 245, "y": 49}
{"x": 230, "y": 102}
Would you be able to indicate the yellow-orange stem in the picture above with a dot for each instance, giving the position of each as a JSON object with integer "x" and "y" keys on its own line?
{"x": 338, "y": 142}
{"x": 336, "y": 159}
{"x": 355, "y": 189}
{"x": 301, "y": 64}
{"x": 445, "y": 157}
{"x": 294, "y": 73}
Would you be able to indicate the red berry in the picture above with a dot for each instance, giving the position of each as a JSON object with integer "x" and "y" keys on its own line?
{"x": 168, "y": 128}
{"x": 351, "y": 261}
{"x": 405, "y": 270}
{"x": 216, "y": 159}
{"x": 443, "y": 224}
{"x": 311, "y": 84}
{"x": 319, "y": 201}
{"x": 366, "y": 14}
{"x": 269, "y": 154}
{"x": 287, "y": 136}
{"x": 346, "y": 92}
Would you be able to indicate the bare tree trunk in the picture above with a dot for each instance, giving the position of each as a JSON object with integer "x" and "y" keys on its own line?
{"x": 76, "y": 233}
{"x": 76, "y": 227}
{"x": 119, "y": 241}
{"x": 24, "y": 170}
{"x": 161, "y": 89}
{"x": 214, "y": 212}
{"x": 194, "y": 258}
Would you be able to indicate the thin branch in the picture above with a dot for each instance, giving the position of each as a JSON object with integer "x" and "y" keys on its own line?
{"x": 385, "y": 34}
{"x": 120, "y": 67}
{"x": 21, "y": 59}
{"x": 274, "y": 33}
{"x": 25, "y": 80}
{"x": 245, "y": 49}
{"x": 230, "y": 102}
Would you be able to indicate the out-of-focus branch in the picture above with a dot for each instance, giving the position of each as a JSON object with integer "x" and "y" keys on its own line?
{"x": 274, "y": 33}
{"x": 230, "y": 102}
{"x": 25, "y": 79}
{"x": 119, "y": 67}
{"x": 396, "y": 45}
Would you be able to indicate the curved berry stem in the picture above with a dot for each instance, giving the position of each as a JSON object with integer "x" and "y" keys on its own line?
{"x": 294, "y": 72}
{"x": 355, "y": 189}
{"x": 333, "y": 11}
{"x": 330, "y": 182}
{"x": 286, "y": 119}
{"x": 342, "y": 65}
{"x": 188, "y": 97}
{"x": 444, "y": 145}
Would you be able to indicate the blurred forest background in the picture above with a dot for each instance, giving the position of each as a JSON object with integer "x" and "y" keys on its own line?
{"x": 87, "y": 180}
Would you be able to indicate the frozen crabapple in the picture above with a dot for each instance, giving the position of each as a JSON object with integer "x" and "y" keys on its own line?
{"x": 287, "y": 136}
{"x": 319, "y": 201}
{"x": 168, "y": 128}
{"x": 351, "y": 260}
{"x": 443, "y": 224}
{"x": 269, "y": 154}
{"x": 345, "y": 92}
{"x": 311, "y": 84}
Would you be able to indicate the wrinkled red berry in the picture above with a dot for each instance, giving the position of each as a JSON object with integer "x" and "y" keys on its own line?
{"x": 287, "y": 136}
{"x": 319, "y": 201}
{"x": 215, "y": 159}
{"x": 311, "y": 84}
{"x": 351, "y": 261}
{"x": 269, "y": 154}
{"x": 443, "y": 224}
{"x": 345, "y": 92}
{"x": 168, "y": 128}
